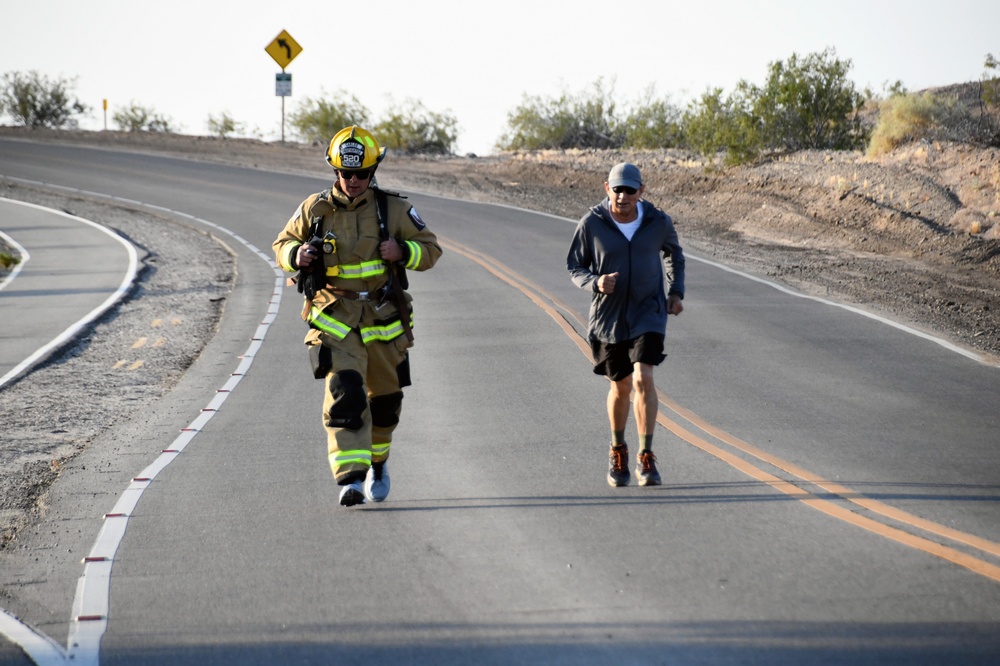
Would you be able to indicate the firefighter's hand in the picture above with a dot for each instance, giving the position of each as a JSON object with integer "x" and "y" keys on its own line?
{"x": 305, "y": 255}
{"x": 606, "y": 283}
{"x": 390, "y": 251}
{"x": 674, "y": 304}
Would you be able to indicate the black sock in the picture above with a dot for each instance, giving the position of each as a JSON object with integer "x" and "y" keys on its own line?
{"x": 645, "y": 442}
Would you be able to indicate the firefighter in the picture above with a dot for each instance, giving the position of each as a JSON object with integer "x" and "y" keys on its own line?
{"x": 350, "y": 246}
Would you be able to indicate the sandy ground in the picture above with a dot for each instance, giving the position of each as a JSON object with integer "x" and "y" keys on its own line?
{"x": 914, "y": 235}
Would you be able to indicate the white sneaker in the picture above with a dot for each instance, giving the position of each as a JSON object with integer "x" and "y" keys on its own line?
{"x": 352, "y": 494}
{"x": 377, "y": 482}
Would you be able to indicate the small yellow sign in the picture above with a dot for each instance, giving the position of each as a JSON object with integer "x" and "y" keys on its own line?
{"x": 283, "y": 49}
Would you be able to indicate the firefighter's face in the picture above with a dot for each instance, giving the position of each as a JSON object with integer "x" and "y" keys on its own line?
{"x": 354, "y": 183}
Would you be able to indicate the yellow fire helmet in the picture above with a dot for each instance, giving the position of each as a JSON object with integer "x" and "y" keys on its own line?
{"x": 354, "y": 148}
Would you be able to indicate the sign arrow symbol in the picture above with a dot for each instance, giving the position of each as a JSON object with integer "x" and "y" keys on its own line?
{"x": 288, "y": 49}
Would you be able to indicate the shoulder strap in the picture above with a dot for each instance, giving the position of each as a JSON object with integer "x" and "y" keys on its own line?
{"x": 382, "y": 210}
{"x": 397, "y": 273}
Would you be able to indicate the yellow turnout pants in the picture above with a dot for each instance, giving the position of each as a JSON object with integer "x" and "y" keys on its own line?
{"x": 363, "y": 402}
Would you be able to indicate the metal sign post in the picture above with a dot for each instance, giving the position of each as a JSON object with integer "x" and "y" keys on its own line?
{"x": 283, "y": 89}
{"x": 283, "y": 49}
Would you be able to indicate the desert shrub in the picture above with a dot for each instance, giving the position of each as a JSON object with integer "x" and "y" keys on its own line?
{"x": 909, "y": 118}
{"x": 138, "y": 118}
{"x": 34, "y": 100}
{"x": 582, "y": 120}
{"x": 413, "y": 128}
{"x": 991, "y": 81}
{"x": 989, "y": 96}
{"x": 224, "y": 125}
{"x": 409, "y": 127}
{"x": 713, "y": 124}
{"x": 704, "y": 123}
{"x": 590, "y": 119}
{"x": 809, "y": 103}
{"x": 318, "y": 119}
{"x": 652, "y": 123}
{"x": 806, "y": 103}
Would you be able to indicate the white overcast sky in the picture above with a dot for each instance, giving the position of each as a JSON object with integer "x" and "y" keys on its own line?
{"x": 474, "y": 60}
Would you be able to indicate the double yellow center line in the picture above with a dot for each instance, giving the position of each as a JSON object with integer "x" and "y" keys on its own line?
{"x": 549, "y": 304}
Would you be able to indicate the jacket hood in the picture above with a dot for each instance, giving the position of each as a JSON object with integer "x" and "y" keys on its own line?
{"x": 603, "y": 210}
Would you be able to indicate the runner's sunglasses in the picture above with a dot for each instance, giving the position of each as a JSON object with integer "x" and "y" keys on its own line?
{"x": 627, "y": 190}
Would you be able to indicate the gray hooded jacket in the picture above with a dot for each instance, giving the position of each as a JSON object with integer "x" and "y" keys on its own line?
{"x": 638, "y": 304}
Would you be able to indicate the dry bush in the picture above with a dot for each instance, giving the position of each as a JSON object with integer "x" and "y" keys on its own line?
{"x": 904, "y": 118}
{"x": 839, "y": 184}
{"x": 953, "y": 113}
{"x": 8, "y": 260}
{"x": 971, "y": 222}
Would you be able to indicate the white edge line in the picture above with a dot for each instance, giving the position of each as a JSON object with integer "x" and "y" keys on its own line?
{"x": 39, "y": 647}
{"x": 69, "y": 333}
{"x": 89, "y": 614}
{"x": 850, "y": 308}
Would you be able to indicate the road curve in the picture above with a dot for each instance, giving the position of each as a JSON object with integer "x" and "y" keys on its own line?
{"x": 72, "y": 271}
{"x": 501, "y": 540}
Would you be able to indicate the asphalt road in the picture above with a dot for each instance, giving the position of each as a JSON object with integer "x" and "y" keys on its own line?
{"x": 75, "y": 271}
{"x": 830, "y": 481}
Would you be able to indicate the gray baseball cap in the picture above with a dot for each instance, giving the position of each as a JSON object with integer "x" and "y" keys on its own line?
{"x": 625, "y": 174}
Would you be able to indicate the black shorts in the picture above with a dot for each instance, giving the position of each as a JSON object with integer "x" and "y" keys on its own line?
{"x": 616, "y": 360}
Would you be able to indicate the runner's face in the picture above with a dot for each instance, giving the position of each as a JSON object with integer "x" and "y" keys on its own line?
{"x": 623, "y": 203}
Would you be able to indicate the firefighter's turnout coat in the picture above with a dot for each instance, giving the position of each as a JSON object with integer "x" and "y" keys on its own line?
{"x": 360, "y": 329}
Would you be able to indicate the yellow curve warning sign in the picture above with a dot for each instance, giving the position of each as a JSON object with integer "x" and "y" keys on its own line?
{"x": 283, "y": 49}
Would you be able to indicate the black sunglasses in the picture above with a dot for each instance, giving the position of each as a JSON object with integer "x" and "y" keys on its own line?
{"x": 361, "y": 174}
{"x": 627, "y": 190}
